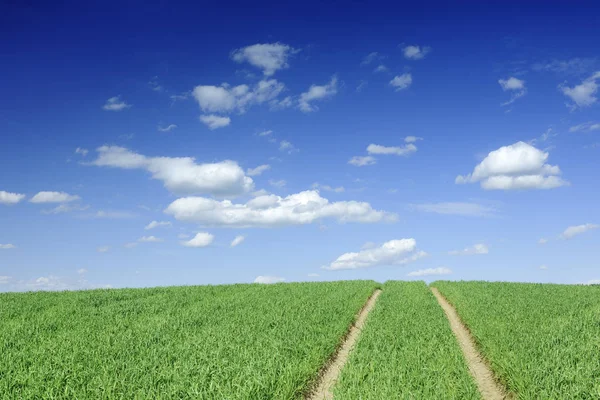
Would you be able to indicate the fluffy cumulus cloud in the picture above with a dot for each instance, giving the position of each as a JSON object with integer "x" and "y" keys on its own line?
{"x": 415, "y": 52}
{"x": 273, "y": 211}
{"x": 584, "y": 94}
{"x": 258, "y": 170}
{"x": 214, "y": 121}
{"x": 7, "y": 246}
{"x": 53, "y": 197}
{"x": 181, "y": 174}
{"x": 456, "y": 208}
{"x": 401, "y": 82}
{"x": 265, "y": 279}
{"x": 226, "y": 99}
{"x": 586, "y": 127}
{"x": 269, "y": 57}
{"x": 237, "y": 240}
{"x": 515, "y": 86}
{"x": 371, "y": 58}
{"x": 479, "y": 248}
{"x": 9, "y": 198}
{"x": 394, "y": 252}
{"x": 287, "y": 147}
{"x": 202, "y": 239}
{"x": 518, "y": 166}
{"x": 395, "y": 150}
{"x": 156, "y": 224}
{"x": 361, "y": 161}
{"x": 115, "y": 104}
{"x": 573, "y": 231}
{"x": 4, "y": 279}
{"x": 315, "y": 93}
{"x": 431, "y": 271}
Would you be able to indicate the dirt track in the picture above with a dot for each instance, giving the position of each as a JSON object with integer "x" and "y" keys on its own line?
{"x": 484, "y": 377}
{"x": 328, "y": 378}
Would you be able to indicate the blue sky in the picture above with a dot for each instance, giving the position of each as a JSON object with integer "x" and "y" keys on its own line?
{"x": 340, "y": 142}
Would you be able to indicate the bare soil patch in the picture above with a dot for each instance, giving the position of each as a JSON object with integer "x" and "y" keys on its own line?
{"x": 489, "y": 388}
{"x": 331, "y": 372}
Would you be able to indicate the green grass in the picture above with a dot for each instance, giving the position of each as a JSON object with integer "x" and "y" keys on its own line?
{"x": 542, "y": 340}
{"x": 406, "y": 351}
{"x": 206, "y": 342}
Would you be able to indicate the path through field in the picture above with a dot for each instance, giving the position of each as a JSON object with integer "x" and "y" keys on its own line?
{"x": 328, "y": 377}
{"x": 483, "y": 376}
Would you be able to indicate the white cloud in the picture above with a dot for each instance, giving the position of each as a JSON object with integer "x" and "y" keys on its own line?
{"x": 399, "y": 150}
{"x": 516, "y": 86}
{"x": 202, "y": 239}
{"x": 4, "y": 280}
{"x": 226, "y": 99}
{"x": 371, "y": 57}
{"x": 149, "y": 239}
{"x": 479, "y": 248}
{"x": 543, "y": 267}
{"x": 156, "y": 224}
{"x": 572, "y": 231}
{"x": 103, "y": 249}
{"x": 456, "y": 208}
{"x": 181, "y": 174}
{"x": 215, "y": 121}
{"x": 313, "y": 275}
{"x": 258, "y": 170}
{"x": 168, "y": 128}
{"x": 328, "y": 188}
{"x": 381, "y": 68}
{"x": 593, "y": 282}
{"x": 273, "y": 211}
{"x": 512, "y": 83}
{"x": 66, "y": 207}
{"x": 82, "y": 271}
{"x": 268, "y": 279}
{"x": 115, "y": 104}
{"x": 131, "y": 245}
{"x": 316, "y": 92}
{"x": 518, "y": 166}
{"x": 81, "y": 151}
{"x": 112, "y": 214}
{"x": 542, "y": 241}
{"x": 9, "y": 198}
{"x": 270, "y": 57}
{"x": 394, "y": 252}
{"x": 361, "y": 161}
{"x": 265, "y": 133}
{"x": 288, "y": 147}
{"x": 575, "y": 66}
{"x": 53, "y": 197}
{"x": 279, "y": 183}
{"x": 584, "y": 94}
{"x": 412, "y": 139}
{"x": 586, "y": 127}
{"x": 154, "y": 85}
{"x": 415, "y": 52}
{"x": 7, "y": 246}
{"x": 238, "y": 240}
{"x": 284, "y": 103}
{"x": 401, "y": 82}
{"x": 361, "y": 85}
{"x": 431, "y": 271}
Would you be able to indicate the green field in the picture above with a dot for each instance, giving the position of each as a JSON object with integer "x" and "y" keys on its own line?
{"x": 207, "y": 342}
{"x": 273, "y": 341}
{"x": 406, "y": 351}
{"x": 542, "y": 340}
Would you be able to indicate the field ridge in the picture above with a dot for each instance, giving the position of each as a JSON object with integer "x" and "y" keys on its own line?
{"x": 329, "y": 374}
{"x": 479, "y": 368}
